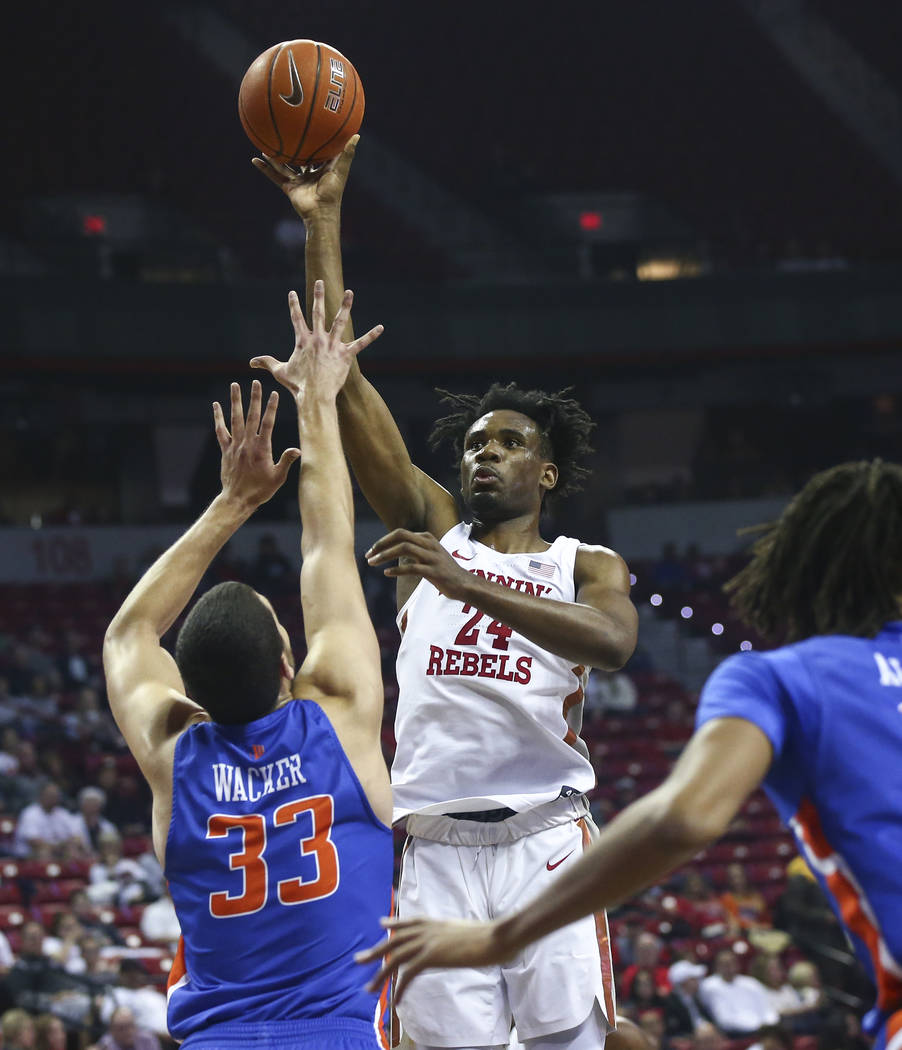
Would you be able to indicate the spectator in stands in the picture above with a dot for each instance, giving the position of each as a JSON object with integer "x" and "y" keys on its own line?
{"x": 737, "y": 1004}
{"x": 89, "y": 824}
{"x": 24, "y": 785}
{"x": 62, "y": 946}
{"x": 651, "y": 1021}
{"x": 34, "y": 979}
{"x": 675, "y": 728}
{"x": 799, "y": 1014}
{"x": 7, "y": 958}
{"x": 272, "y": 572}
{"x": 745, "y": 904}
{"x": 702, "y": 908}
{"x": 44, "y": 828}
{"x": 684, "y": 1011}
{"x": 90, "y": 723}
{"x": 124, "y": 1033}
{"x": 128, "y": 801}
{"x": 707, "y": 1037}
{"x": 115, "y": 880}
{"x": 133, "y": 989}
{"x": 50, "y": 1033}
{"x": 17, "y": 1028}
{"x": 86, "y": 914}
{"x": 9, "y": 744}
{"x": 647, "y": 955}
{"x": 806, "y": 981}
{"x": 159, "y": 923}
{"x": 71, "y": 664}
{"x": 773, "y": 1037}
{"x": 40, "y": 704}
{"x": 642, "y": 994}
{"x": 610, "y": 692}
{"x": 90, "y": 964}
{"x": 626, "y": 932}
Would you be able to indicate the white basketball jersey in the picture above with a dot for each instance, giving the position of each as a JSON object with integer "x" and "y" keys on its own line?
{"x": 486, "y": 718}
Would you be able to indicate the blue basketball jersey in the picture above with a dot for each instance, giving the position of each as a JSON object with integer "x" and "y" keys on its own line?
{"x": 279, "y": 871}
{"x": 831, "y": 706}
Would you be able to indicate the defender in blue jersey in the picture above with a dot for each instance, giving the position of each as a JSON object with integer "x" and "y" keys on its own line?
{"x": 271, "y": 799}
{"x": 818, "y": 722}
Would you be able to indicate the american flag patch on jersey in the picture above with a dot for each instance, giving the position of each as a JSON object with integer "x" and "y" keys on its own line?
{"x": 543, "y": 568}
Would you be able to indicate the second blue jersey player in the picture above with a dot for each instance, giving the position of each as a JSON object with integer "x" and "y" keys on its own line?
{"x": 817, "y": 722}
{"x": 271, "y": 799}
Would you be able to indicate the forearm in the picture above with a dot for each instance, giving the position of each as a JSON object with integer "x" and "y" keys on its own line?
{"x": 324, "y": 487}
{"x": 166, "y": 588}
{"x": 322, "y": 258}
{"x": 637, "y": 849}
{"x": 371, "y": 439}
{"x": 571, "y": 630}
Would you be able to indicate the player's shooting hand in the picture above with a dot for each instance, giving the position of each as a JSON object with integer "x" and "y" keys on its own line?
{"x": 311, "y": 192}
{"x": 423, "y": 944}
{"x": 320, "y": 361}
{"x": 419, "y": 554}
{"x": 248, "y": 472}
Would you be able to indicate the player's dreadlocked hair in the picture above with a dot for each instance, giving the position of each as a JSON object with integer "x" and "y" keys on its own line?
{"x": 564, "y": 424}
{"x": 832, "y": 562}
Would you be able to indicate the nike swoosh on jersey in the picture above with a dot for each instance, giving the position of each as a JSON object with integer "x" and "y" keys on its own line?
{"x": 557, "y": 863}
{"x": 297, "y": 88}
{"x": 462, "y": 557}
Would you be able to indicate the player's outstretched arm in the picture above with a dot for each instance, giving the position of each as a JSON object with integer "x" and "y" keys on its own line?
{"x": 145, "y": 688}
{"x": 722, "y": 764}
{"x": 343, "y": 660}
{"x": 401, "y": 494}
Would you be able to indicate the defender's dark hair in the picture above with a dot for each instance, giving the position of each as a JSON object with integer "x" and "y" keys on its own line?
{"x": 832, "y": 562}
{"x": 229, "y": 652}
{"x": 564, "y": 423}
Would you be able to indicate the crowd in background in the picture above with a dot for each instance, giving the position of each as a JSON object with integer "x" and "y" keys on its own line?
{"x": 723, "y": 955}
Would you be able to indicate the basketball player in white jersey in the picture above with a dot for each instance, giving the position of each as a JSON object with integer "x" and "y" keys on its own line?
{"x": 499, "y": 628}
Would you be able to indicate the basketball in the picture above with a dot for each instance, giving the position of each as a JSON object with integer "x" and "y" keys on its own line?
{"x": 300, "y": 102}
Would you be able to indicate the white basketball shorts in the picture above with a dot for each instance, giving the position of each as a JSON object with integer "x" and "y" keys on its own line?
{"x": 553, "y": 984}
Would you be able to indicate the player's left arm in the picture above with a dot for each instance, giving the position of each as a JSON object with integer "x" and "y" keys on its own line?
{"x": 722, "y": 764}
{"x": 145, "y": 688}
{"x": 597, "y": 630}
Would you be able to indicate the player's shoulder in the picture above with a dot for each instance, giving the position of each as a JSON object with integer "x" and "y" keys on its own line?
{"x": 596, "y": 562}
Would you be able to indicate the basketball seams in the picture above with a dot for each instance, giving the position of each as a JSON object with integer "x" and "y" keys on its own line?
{"x": 252, "y": 132}
{"x": 272, "y": 114}
{"x": 350, "y": 114}
{"x": 312, "y": 109}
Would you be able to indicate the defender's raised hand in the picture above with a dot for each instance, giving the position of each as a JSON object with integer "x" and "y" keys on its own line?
{"x": 320, "y": 361}
{"x": 311, "y": 191}
{"x": 248, "y": 472}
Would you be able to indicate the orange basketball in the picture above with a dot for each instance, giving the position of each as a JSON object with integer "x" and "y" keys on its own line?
{"x": 300, "y": 102}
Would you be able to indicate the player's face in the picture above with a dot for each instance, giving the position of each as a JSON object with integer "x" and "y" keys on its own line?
{"x": 504, "y": 472}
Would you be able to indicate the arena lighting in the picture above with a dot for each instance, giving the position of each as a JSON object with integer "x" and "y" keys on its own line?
{"x": 745, "y": 646}
{"x": 656, "y": 600}
{"x": 717, "y": 628}
{"x": 93, "y": 225}
{"x": 590, "y": 220}
{"x": 686, "y": 612}
{"x": 632, "y": 579}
